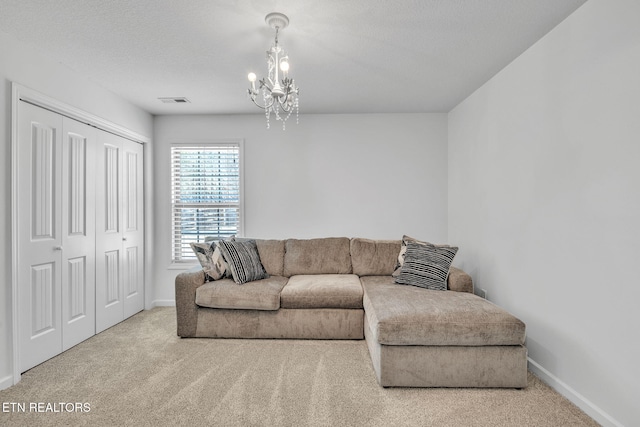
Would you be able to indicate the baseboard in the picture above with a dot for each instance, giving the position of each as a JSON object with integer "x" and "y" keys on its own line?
{"x": 6, "y": 382}
{"x": 576, "y": 398}
{"x": 163, "y": 303}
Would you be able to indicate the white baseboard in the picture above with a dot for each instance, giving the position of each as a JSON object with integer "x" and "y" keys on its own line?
{"x": 163, "y": 303}
{"x": 576, "y": 398}
{"x": 6, "y": 382}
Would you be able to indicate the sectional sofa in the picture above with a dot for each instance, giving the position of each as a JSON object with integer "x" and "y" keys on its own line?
{"x": 342, "y": 288}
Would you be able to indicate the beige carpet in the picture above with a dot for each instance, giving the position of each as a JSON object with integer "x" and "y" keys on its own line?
{"x": 140, "y": 373}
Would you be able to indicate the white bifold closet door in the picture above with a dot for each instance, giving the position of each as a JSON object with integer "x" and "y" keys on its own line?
{"x": 119, "y": 230}
{"x": 56, "y": 229}
{"x": 80, "y": 231}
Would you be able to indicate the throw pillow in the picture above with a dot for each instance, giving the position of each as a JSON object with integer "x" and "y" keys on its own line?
{"x": 426, "y": 266}
{"x": 210, "y": 259}
{"x": 403, "y": 249}
{"x": 243, "y": 260}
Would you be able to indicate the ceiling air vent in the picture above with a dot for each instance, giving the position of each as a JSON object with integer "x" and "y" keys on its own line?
{"x": 175, "y": 100}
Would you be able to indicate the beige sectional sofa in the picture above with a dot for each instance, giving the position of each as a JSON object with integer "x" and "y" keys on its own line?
{"x": 341, "y": 288}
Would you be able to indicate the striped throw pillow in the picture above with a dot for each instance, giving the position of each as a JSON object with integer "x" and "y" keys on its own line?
{"x": 403, "y": 249}
{"x": 243, "y": 260}
{"x": 426, "y": 266}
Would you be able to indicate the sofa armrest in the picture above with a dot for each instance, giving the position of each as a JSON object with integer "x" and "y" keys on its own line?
{"x": 459, "y": 281}
{"x": 186, "y": 309}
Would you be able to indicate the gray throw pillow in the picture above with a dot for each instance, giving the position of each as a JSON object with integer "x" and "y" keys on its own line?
{"x": 426, "y": 266}
{"x": 243, "y": 260}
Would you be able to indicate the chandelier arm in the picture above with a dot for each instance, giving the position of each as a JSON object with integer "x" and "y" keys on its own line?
{"x": 267, "y": 106}
{"x": 264, "y": 85}
{"x": 258, "y": 105}
{"x": 253, "y": 96}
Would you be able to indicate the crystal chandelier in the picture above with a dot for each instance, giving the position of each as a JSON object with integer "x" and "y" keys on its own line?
{"x": 279, "y": 91}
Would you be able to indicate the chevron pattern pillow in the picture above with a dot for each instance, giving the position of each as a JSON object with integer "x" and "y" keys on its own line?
{"x": 243, "y": 260}
{"x": 426, "y": 266}
{"x": 210, "y": 259}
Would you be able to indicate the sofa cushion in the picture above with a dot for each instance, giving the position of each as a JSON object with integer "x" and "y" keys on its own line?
{"x": 322, "y": 291}
{"x": 374, "y": 257}
{"x": 271, "y": 255}
{"x": 408, "y": 315}
{"x": 317, "y": 256}
{"x": 426, "y": 266}
{"x": 243, "y": 260}
{"x": 256, "y": 295}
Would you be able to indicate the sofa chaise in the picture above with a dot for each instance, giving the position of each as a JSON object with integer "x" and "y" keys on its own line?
{"x": 341, "y": 288}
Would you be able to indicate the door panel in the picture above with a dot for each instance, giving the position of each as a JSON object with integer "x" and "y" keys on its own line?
{"x": 120, "y": 233}
{"x": 133, "y": 231}
{"x": 43, "y": 279}
{"x": 109, "y": 291}
{"x": 39, "y": 230}
{"x": 78, "y": 232}
{"x": 44, "y": 162}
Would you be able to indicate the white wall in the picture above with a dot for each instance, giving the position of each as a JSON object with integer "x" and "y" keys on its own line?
{"x": 376, "y": 176}
{"x": 25, "y": 65}
{"x": 544, "y": 197}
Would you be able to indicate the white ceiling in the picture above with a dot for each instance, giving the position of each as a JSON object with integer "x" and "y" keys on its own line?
{"x": 347, "y": 56}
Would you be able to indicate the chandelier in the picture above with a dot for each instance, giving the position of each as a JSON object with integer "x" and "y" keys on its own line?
{"x": 279, "y": 91}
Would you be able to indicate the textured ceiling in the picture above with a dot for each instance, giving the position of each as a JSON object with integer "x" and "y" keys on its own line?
{"x": 347, "y": 56}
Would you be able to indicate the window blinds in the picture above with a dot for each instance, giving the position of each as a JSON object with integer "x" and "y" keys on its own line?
{"x": 205, "y": 195}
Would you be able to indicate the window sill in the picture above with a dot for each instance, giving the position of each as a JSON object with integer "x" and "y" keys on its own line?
{"x": 182, "y": 265}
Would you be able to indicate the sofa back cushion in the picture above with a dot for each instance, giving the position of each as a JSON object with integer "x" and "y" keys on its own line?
{"x": 272, "y": 256}
{"x": 374, "y": 257}
{"x": 317, "y": 256}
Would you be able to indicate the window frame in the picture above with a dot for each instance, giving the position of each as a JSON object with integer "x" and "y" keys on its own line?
{"x": 208, "y": 144}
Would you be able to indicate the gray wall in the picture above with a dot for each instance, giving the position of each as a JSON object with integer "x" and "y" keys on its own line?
{"x": 544, "y": 197}
{"x": 356, "y": 175}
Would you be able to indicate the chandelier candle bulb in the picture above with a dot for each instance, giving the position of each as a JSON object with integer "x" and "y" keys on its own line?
{"x": 284, "y": 66}
{"x": 252, "y": 79}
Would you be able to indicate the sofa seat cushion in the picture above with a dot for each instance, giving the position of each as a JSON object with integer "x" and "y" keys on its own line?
{"x": 261, "y": 294}
{"x": 407, "y": 315}
{"x": 322, "y": 291}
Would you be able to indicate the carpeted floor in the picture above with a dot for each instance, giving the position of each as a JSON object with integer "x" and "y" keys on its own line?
{"x": 140, "y": 373}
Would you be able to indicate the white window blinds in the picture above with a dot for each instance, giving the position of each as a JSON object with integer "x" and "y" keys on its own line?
{"x": 205, "y": 194}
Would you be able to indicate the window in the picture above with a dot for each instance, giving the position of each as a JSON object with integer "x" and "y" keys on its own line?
{"x": 205, "y": 194}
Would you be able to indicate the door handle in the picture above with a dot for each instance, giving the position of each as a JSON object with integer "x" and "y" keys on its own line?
{"x": 57, "y": 248}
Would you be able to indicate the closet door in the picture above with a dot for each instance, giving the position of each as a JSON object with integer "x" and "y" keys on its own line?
{"x": 133, "y": 227}
{"x": 109, "y": 290}
{"x": 78, "y": 232}
{"x": 39, "y": 234}
{"x": 56, "y": 249}
{"x": 119, "y": 235}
